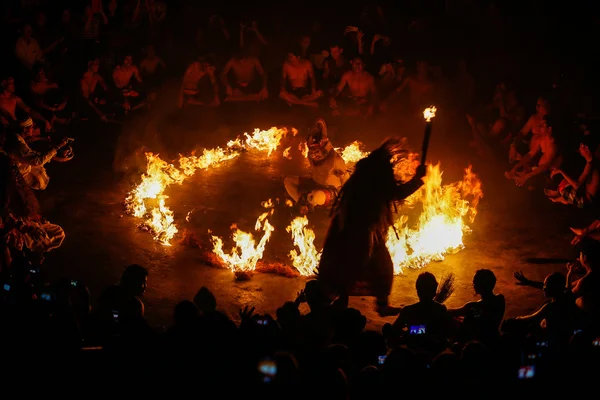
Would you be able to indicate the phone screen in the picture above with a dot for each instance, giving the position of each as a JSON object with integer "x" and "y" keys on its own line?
{"x": 417, "y": 330}
{"x": 527, "y": 372}
{"x": 382, "y": 359}
{"x": 47, "y": 296}
{"x": 268, "y": 369}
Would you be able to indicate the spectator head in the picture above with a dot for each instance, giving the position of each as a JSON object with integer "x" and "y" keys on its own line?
{"x": 294, "y": 54}
{"x": 27, "y": 31}
{"x": 554, "y": 285}
{"x": 185, "y": 313}
{"x": 542, "y": 106}
{"x": 426, "y": 286}
{"x": 304, "y": 42}
{"x": 205, "y": 300}
{"x": 589, "y": 252}
{"x": 358, "y": 64}
{"x": 135, "y": 279}
{"x": 94, "y": 65}
{"x": 288, "y": 316}
{"x": 336, "y": 50}
{"x": 484, "y": 281}
{"x": 316, "y": 298}
{"x": 8, "y": 85}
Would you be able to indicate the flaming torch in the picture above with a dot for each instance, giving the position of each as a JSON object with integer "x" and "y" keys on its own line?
{"x": 428, "y": 114}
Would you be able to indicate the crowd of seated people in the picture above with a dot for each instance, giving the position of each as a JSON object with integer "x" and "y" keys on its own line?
{"x": 101, "y": 61}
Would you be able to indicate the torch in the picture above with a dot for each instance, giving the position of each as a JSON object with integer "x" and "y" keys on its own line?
{"x": 428, "y": 114}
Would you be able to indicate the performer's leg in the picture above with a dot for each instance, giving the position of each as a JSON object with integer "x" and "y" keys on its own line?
{"x": 292, "y": 186}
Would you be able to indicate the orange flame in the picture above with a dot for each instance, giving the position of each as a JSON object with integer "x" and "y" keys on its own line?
{"x": 429, "y": 113}
{"x": 306, "y": 258}
{"x": 245, "y": 253}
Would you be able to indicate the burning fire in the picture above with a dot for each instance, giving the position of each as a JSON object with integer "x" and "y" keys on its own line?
{"x": 440, "y": 227}
{"x": 413, "y": 242}
{"x": 306, "y": 258}
{"x": 246, "y": 253}
{"x": 148, "y": 200}
{"x": 429, "y": 113}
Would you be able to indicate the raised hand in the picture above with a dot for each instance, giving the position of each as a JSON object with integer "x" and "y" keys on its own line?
{"x": 246, "y": 313}
{"x": 522, "y": 280}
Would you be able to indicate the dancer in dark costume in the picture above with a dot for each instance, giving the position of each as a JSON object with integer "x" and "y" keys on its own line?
{"x": 355, "y": 259}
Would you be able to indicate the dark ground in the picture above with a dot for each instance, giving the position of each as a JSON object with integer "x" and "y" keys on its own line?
{"x": 86, "y": 196}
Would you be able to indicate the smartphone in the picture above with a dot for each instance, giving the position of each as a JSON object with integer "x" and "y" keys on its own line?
{"x": 262, "y": 321}
{"x": 268, "y": 369}
{"x": 34, "y": 270}
{"x": 47, "y": 296}
{"x": 542, "y": 344}
{"x": 6, "y": 287}
{"x": 115, "y": 315}
{"x": 596, "y": 342}
{"x": 382, "y": 359}
{"x": 417, "y": 330}
{"x": 527, "y": 372}
{"x": 74, "y": 283}
{"x": 576, "y": 331}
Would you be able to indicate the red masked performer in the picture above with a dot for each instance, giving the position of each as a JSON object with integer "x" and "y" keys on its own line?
{"x": 328, "y": 173}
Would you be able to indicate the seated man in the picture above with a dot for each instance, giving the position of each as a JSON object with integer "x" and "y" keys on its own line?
{"x": 152, "y": 68}
{"x": 48, "y": 97}
{"x": 199, "y": 86}
{"x": 9, "y": 102}
{"x": 546, "y": 148}
{"x": 248, "y": 81}
{"x": 295, "y": 86}
{"x": 30, "y": 162}
{"x": 122, "y": 77}
{"x": 361, "y": 96}
{"x": 94, "y": 90}
{"x": 583, "y": 191}
{"x": 328, "y": 173}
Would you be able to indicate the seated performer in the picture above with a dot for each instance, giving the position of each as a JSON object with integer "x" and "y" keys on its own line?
{"x": 355, "y": 259}
{"x": 30, "y": 162}
{"x": 248, "y": 81}
{"x": 361, "y": 96}
{"x": 328, "y": 173}
{"x": 95, "y": 91}
{"x": 22, "y": 228}
{"x": 49, "y": 97}
{"x": 299, "y": 86}
{"x": 10, "y": 103}
{"x": 199, "y": 86}
{"x": 583, "y": 191}
{"x": 122, "y": 78}
{"x": 545, "y": 147}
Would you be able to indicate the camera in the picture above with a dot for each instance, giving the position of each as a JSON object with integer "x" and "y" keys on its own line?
{"x": 527, "y": 372}
{"x": 381, "y": 359}
{"x": 417, "y": 330}
{"x": 262, "y": 321}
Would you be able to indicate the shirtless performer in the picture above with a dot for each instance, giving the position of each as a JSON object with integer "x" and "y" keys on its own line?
{"x": 549, "y": 160}
{"x": 30, "y": 162}
{"x": 295, "y": 86}
{"x": 122, "y": 77}
{"x": 9, "y": 102}
{"x": 520, "y": 144}
{"x": 89, "y": 89}
{"x": 583, "y": 191}
{"x": 362, "y": 93}
{"x": 198, "y": 82}
{"x": 420, "y": 87}
{"x": 152, "y": 67}
{"x": 248, "y": 81}
{"x": 328, "y": 173}
{"x": 48, "y": 97}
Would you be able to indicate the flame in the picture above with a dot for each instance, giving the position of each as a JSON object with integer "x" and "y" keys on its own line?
{"x": 440, "y": 226}
{"x": 429, "y": 113}
{"x": 286, "y": 153}
{"x": 267, "y": 140}
{"x": 245, "y": 253}
{"x": 352, "y": 153}
{"x": 160, "y": 175}
{"x": 303, "y": 147}
{"x": 306, "y": 258}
